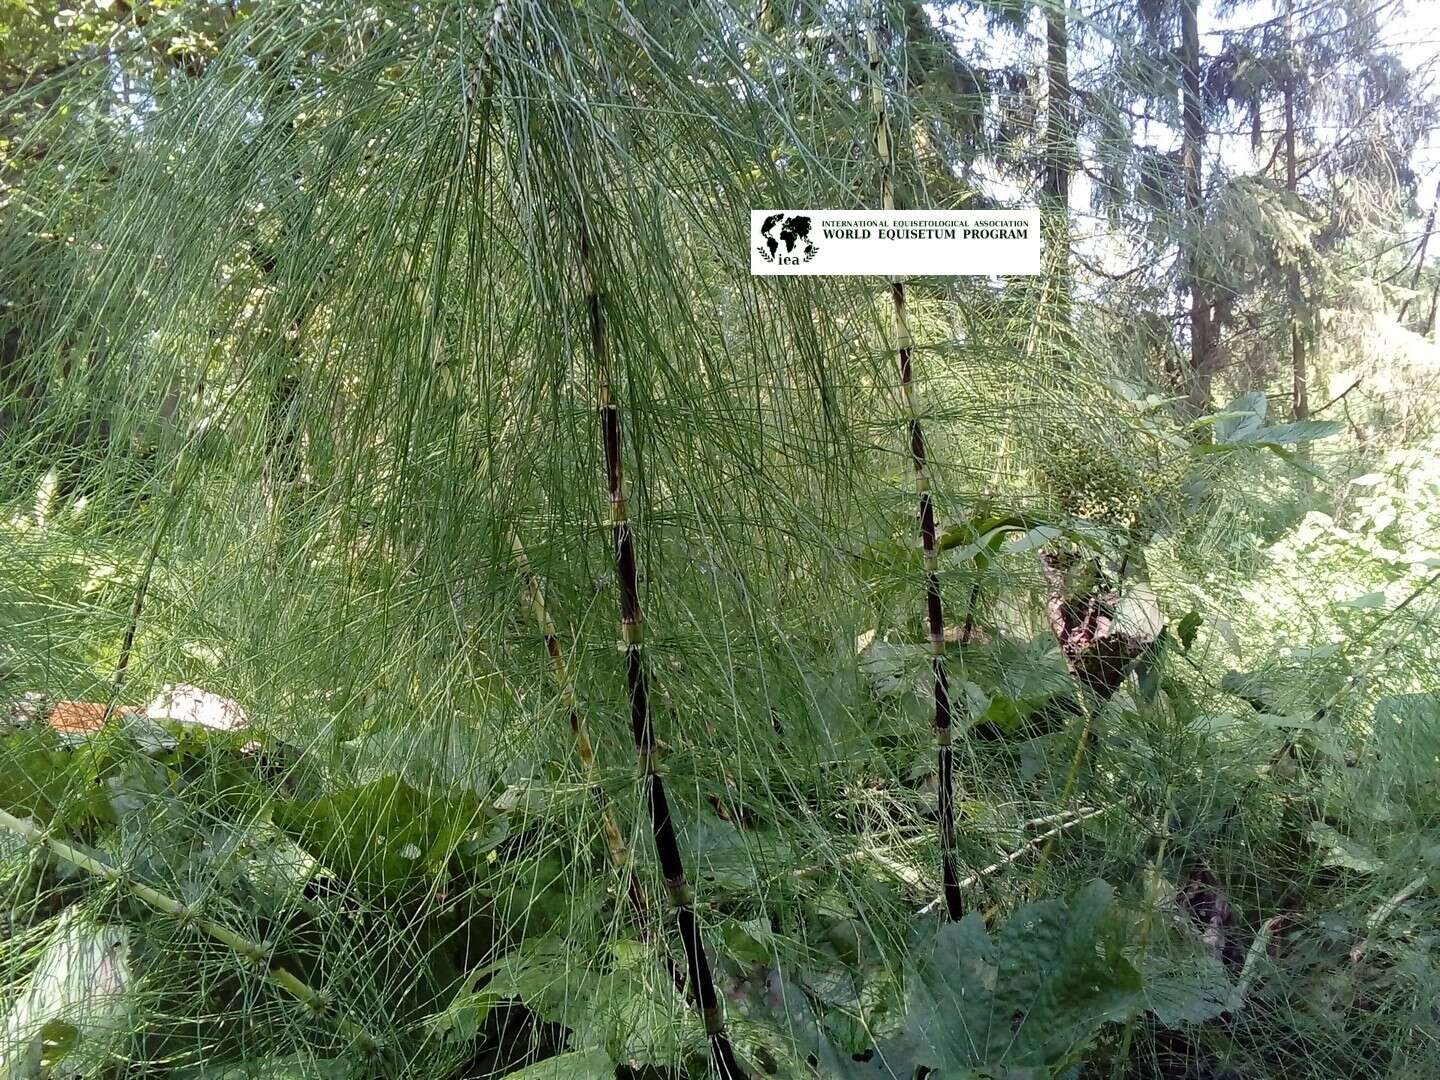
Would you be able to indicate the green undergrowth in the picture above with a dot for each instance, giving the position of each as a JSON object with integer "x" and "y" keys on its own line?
{"x": 420, "y": 847}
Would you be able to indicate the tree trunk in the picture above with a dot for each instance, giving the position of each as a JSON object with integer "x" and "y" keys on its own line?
{"x": 1300, "y": 394}
{"x": 1198, "y": 378}
{"x": 1059, "y": 155}
{"x": 1420, "y": 259}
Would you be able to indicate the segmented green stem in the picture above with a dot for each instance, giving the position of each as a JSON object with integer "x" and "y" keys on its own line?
{"x": 560, "y": 673}
{"x": 954, "y": 903}
{"x": 250, "y": 951}
{"x": 147, "y": 573}
{"x": 642, "y": 727}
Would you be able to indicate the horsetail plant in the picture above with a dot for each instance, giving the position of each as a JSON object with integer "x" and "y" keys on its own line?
{"x": 560, "y": 674}
{"x": 954, "y": 903}
{"x": 632, "y": 635}
{"x": 252, "y": 952}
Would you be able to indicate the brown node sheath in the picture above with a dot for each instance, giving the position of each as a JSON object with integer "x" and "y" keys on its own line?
{"x": 935, "y": 614}
{"x": 667, "y": 845}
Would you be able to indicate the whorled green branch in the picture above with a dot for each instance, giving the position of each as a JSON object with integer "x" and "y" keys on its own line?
{"x": 252, "y": 952}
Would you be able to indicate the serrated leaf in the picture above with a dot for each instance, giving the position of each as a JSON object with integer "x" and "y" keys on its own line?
{"x": 1031, "y": 996}
{"x": 576, "y": 1065}
{"x": 1187, "y": 990}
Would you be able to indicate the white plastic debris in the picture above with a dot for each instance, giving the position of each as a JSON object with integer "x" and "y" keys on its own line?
{"x": 191, "y": 706}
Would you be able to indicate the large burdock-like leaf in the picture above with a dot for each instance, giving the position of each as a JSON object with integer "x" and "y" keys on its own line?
{"x": 1028, "y": 998}
{"x": 190, "y": 706}
{"x": 385, "y": 836}
{"x": 576, "y": 1065}
{"x": 76, "y": 1006}
{"x": 1241, "y": 425}
{"x": 1188, "y": 986}
{"x": 1241, "y": 419}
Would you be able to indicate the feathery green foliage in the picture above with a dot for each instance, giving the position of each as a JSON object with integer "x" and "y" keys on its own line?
{"x": 299, "y": 336}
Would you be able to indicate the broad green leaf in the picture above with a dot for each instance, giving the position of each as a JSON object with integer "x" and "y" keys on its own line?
{"x": 749, "y": 941}
{"x": 1366, "y": 602}
{"x": 1339, "y": 850}
{"x": 1188, "y": 989}
{"x": 892, "y": 669}
{"x": 384, "y": 836}
{"x": 57, "y": 1039}
{"x": 78, "y": 1004}
{"x": 543, "y": 974}
{"x": 1004, "y": 712}
{"x": 462, "y": 1018}
{"x": 576, "y": 1065}
{"x": 638, "y": 1020}
{"x": 1035, "y": 538}
{"x": 1032, "y": 996}
{"x": 1241, "y": 418}
{"x": 42, "y": 780}
{"x": 1300, "y": 432}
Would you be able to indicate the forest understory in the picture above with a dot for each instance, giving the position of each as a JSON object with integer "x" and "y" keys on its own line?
{"x": 456, "y": 622}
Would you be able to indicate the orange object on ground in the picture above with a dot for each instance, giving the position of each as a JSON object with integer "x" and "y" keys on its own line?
{"x": 75, "y": 718}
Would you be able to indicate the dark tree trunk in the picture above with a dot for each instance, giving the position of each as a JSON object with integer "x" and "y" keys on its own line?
{"x": 1420, "y": 259}
{"x": 1059, "y": 155}
{"x": 1192, "y": 146}
{"x": 1300, "y": 394}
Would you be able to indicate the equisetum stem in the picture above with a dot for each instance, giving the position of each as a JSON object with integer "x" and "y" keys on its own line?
{"x": 632, "y": 637}
{"x": 954, "y": 902}
{"x": 560, "y": 674}
{"x": 250, "y": 951}
{"x": 147, "y": 573}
